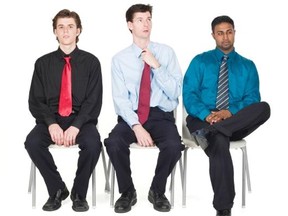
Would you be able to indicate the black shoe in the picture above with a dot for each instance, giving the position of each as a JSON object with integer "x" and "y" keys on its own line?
{"x": 124, "y": 203}
{"x": 54, "y": 202}
{"x": 200, "y": 137}
{"x": 159, "y": 201}
{"x": 225, "y": 212}
{"x": 79, "y": 203}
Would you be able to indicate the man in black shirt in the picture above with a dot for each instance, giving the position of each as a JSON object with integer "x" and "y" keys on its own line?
{"x": 76, "y": 127}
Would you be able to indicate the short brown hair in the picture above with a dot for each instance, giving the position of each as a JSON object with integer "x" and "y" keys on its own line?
{"x": 137, "y": 8}
{"x": 65, "y": 13}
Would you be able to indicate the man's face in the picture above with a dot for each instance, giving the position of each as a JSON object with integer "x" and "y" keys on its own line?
{"x": 66, "y": 31}
{"x": 224, "y": 35}
{"x": 141, "y": 25}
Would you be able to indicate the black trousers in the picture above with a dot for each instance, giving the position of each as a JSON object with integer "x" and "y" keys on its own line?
{"x": 234, "y": 128}
{"x": 88, "y": 138}
{"x": 162, "y": 128}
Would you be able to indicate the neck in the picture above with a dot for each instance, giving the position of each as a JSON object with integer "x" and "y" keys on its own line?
{"x": 141, "y": 42}
{"x": 67, "y": 49}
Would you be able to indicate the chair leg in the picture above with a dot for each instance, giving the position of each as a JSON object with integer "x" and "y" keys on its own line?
{"x": 181, "y": 171}
{"x": 243, "y": 180}
{"x": 32, "y": 184}
{"x": 93, "y": 189}
{"x": 107, "y": 186}
{"x": 112, "y": 186}
{"x": 245, "y": 176}
{"x": 106, "y": 172}
{"x": 30, "y": 178}
{"x": 184, "y": 176}
{"x": 247, "y": 169}
{"x": 172, "y": 183}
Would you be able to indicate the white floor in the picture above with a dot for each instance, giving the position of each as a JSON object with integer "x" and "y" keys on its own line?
{"x": 268, "y": 197}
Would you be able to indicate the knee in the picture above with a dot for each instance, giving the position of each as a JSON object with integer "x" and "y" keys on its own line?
{"x": 173, "y": 148}
{"x": 92, "y": 145}
{"x": 266, "y": 109}
{"x": 112, "y": 144}
{"x": 32, "y": 143}
{"x": 219, "y": 145}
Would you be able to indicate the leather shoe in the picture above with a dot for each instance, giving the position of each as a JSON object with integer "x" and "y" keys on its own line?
{"x": 54, "y": 202}
{"x": 159, "y": 201}
{"x": 79, "y": 203}
{"x": 124, "y": 203}
{"x": 225, "y": 212}
{"x": 200, "y": 137}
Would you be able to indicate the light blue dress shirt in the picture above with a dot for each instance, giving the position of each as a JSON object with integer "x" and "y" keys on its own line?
{"x": 166, "y": 81}
{"x": 201, "y": 81}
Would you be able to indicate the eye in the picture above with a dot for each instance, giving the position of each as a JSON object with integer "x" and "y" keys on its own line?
{"x": 230, "y": 32}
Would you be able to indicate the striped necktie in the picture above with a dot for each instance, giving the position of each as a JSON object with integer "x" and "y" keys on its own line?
{"x": 222, "y": 101}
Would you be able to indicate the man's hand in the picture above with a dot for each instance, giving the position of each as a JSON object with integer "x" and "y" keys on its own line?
{"x": 217, "y": 116}
{"x": 70, "y": 136}
{"x": 149, "y": 58}
{"x": 143, "y": 137}
{"x": 56, "y": 133}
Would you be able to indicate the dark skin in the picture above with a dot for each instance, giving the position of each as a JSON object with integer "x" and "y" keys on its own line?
{"x": 217, "y": 116}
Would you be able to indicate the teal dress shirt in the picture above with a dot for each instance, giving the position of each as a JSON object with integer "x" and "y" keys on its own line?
{"x": 201, "y": 78}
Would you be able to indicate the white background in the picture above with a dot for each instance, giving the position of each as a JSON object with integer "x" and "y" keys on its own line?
{"x": 261, "y": 35}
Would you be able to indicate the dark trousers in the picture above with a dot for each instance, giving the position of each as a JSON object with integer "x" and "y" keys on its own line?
{"x": 88, "y": 138}
{"x": 236, "y": 127}
{"x": 162, "y": 129}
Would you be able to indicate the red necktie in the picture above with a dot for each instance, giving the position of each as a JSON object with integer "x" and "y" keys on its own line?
{"x": 65, "y": 101}
{"x": 144, "y": 95}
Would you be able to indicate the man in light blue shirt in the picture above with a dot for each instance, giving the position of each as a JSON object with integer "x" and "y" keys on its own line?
{"x": 212, "y": 125}
{"x": 159, "y": 129}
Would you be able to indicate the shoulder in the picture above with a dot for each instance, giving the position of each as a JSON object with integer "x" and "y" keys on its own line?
{"x": 204, "y": 56}
{"x": 123, "y": 54}
{"x": 46, "y": 56}
{"x": 87, "y": 55}
{"x": 243, "y": 60}
{"x": 161, "y": 46}
{"x": 47, "y": 59}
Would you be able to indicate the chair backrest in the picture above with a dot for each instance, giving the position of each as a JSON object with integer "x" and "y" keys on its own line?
{"x": 186, "y": 136}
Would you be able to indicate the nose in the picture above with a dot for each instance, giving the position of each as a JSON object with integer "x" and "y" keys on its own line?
{"x": 65, "y": 29}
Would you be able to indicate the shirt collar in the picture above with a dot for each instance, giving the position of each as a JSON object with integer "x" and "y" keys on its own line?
{"x": 219, "y": 54}
{"x": 73, "y": 54}
{"x": 138, "y": 51}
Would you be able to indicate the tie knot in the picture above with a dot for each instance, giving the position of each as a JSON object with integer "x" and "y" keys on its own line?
{"x": 225, "y": 57}
{"x": 67, "y": 59}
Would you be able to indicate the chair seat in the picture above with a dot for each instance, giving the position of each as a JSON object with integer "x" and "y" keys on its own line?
{"x": 233, "y": 144}
{"x": 137, "y": 146}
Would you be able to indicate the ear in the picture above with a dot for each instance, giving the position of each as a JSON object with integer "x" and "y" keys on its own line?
{"x": 212, "y": 34}
{"x": 78, "y": 32}
{"x": 129, "y": 25}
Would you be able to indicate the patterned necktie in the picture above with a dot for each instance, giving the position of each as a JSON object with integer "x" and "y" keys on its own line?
{"x": 144, "y": 95}
{"x": 222, "y": 101}
{"x": 65, "y": 101}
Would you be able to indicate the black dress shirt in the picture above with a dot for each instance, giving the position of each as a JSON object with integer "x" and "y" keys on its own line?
{"x": 86, "y": 87}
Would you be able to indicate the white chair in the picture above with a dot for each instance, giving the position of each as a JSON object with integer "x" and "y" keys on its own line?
{"x": 241, "y": 144}
{"x": 32, "y": 179}
{"x": 112, "y": 172}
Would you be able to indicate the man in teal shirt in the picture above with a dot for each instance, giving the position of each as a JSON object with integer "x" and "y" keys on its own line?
{"x": 212, "y": 127}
